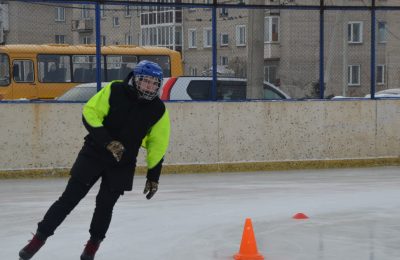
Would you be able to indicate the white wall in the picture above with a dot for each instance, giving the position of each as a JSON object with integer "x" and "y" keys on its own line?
{"x": 50, "y": 135}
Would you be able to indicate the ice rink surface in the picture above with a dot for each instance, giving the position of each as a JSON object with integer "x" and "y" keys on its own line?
{"x": 354, "y": 215}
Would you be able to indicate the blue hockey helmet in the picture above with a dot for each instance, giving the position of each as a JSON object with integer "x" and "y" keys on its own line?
{"x": 148, "y": 68}
{"x": 148, "y": 77}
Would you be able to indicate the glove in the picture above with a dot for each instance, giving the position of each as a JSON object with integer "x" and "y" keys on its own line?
{"x": 150, "y": 188}
{"x": 117, "y": 149}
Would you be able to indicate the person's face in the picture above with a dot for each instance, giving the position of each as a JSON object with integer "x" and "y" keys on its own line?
{"x": 147, "y": 87}
{"x": 148, "y": 84}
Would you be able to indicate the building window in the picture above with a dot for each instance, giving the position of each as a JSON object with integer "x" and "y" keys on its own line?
{"x": 102, "y": 11}
{"x": 193, "y": 71}
{"x": 207, "y": 37}
{"x": 85, "y": 40}
{"x": 149, "y": 36}
{"x": 178, "y": 35}
{"x": 355, "y": 32}
{"x": 160, "y": 17}
{"x": 271, "y": 29}
{"x": 145, "y": 36}
{"x": 353, "y": 75}
{"x": 380, "y": 74}
{"x": 85, "y": 11}
{"x": 60, "y": 14}
{"x": 382, "y": 32}
{"x": 169, "y": 36}
{"x": 103, "y": 40}
{"x": 240, "y": 35}
{"x": 223, "y": 12}
{"x": 128, "y": 11}
{"x": 192, "y": 38}
{"x": 162, "y": 36}
{"x": 60, "y": 39}
{"x": 223, "y": 60}
{"x": 224, "y": 39}
{"x": 270, "y": 74}
{"x": 128, "y": 39}
{"x": 165, "y": 36}
{"x": 115, "y": 21}
{"x": 153, "y": 36}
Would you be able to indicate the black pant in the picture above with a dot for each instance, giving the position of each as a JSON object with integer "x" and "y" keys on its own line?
{"x": 73, "y": 193}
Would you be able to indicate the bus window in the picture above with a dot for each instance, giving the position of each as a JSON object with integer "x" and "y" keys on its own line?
{"x": 161, "y": 60}
{"x": 119, "y": 66}
{"x": 84, "y": 68}
{"x": 23, "y": 70}
{"x": 54, "y": 68}
{"x": 4, "y": 70}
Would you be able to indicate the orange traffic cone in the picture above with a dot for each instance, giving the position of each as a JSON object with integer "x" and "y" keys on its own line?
{"x": 248, "y": 247}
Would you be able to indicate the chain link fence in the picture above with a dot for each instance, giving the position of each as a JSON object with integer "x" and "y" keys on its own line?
{"x": 209, "y": 50}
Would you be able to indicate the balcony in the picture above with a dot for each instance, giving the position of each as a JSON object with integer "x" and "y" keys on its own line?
{"x": 82, "y": 25}
{"x": 272, "y": 51}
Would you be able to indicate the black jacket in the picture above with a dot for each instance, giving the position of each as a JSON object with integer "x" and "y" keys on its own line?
{"x": 116, "y": 113}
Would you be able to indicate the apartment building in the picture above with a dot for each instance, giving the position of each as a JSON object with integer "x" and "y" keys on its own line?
{"x": 37, "y": 22}
{"x": 291, "y": 47}
{"x": 231, "y": 41}
{"x": 161, "y": 26}
{"x": 24, "y": 22}
{"x": 120, "y": 24}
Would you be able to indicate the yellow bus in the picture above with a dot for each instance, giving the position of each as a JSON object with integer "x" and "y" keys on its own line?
{"x": 47, "y": 71}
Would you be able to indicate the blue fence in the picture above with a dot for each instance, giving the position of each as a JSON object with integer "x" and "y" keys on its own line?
{"x": 231, "y": 50}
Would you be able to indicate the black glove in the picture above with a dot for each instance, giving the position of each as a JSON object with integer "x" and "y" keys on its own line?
{"x": 150, "y": 188}
{"x": 117, "y": 149}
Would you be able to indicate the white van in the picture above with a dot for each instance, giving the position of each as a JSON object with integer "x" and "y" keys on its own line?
{"x": 228, "y": 88}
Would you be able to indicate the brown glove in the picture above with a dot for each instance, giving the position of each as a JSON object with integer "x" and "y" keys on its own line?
{"x": 117, "y": 149}
{"x": 150, "y": 188}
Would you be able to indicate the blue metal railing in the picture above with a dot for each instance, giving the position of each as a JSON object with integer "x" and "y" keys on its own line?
{"x": 322, "y": 7}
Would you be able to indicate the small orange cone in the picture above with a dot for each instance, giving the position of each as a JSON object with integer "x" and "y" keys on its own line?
{"x": 248, "y": 247}
{"x": 300, "y": 216}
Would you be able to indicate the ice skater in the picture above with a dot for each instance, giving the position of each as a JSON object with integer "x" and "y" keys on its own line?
{"x": 120, "y": 118}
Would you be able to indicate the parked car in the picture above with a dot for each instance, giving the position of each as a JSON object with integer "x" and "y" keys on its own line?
{"x": 391, "y": 92}
{"x": 186, "y": 88}
{"x": 81, "y": 92}
{"x": 343, "y": 97}
{"x": 228, "y": 88}
{"x": 386, "y": 93}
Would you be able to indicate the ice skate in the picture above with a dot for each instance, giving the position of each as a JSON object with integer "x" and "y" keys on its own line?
{"x": 90, "y": 249}
{"x": 32, "y": 247}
